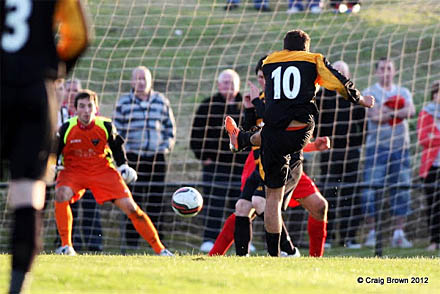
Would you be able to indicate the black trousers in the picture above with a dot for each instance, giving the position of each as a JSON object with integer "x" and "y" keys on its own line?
{"x": 148, "y": 192}
{"x": 432, "y": 194}
{"x": 340, "y": 167}
{"x": 89, "y": 225}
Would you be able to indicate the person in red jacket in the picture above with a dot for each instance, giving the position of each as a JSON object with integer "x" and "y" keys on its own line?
{"x": 428, "y": 129}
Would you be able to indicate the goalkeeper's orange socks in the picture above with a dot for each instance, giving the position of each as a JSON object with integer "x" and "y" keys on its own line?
{"x": 225, "y": 238}
{"x": 146, "y": 229}
{"x": 64, "y": 219}
{"x": 317, "y": 234}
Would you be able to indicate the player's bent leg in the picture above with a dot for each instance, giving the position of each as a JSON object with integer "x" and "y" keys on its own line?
{"x": 64, "y": 219}
{"x": 243, "y": 227}
{"x": 141, "y": 223}
{"x": 239, "y": 139}
{"x": 258, "y": 203}
{"x": 225, "y": 238}
{"x": 63, "y": 194}
{"x": 273, "y": 220}
{"x": 317, "y": 207}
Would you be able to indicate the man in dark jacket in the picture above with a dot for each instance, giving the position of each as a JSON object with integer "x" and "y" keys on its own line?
{"x": 344, "y": 123}
{"x": 210, "y": 143}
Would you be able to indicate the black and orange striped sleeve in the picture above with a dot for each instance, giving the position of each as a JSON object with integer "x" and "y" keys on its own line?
{"x": 75, "y": 34}
{"x": 116, "y": 144}
{"x": 333, "y": 80}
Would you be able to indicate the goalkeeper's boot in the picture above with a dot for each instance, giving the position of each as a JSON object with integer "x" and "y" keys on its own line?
{"x": 238, "y": 139}
{"x": 66, "y": 250}
{"x": 165, "y": 252}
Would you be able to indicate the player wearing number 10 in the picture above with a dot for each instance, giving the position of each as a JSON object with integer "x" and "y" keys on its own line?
{"x": 30, "y": 59}
{"x": 291, "y": 76}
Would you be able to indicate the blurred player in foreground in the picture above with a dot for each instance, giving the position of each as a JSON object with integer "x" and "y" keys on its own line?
{"x": 30, "y": 62}
{"x": 89, "y": 144}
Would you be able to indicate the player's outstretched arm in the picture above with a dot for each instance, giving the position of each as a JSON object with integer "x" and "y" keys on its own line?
{"x": 320, "y": 144}
{"x": 367, "y": 101}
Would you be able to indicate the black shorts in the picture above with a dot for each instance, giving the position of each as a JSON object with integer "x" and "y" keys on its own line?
{"x": 276, "y": 147}
{"x": 254, "y": 185}
{"x": 27, "y": 128}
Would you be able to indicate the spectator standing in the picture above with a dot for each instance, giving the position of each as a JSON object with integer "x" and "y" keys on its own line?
{"x": 210, "y": 144}
{"x": 387, "y": 155}
{"x": 428, "y": 127}
{"x": 343, "y": 6}
{"x": 295, "y": 6}
{"x": 262, "y": 5}
{"x": 344, "y": 123}
{"x": 145, "y": 120}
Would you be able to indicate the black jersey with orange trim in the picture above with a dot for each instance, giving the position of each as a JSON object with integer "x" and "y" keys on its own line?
{"x": 90, "y": 147}
{"x": 291, "y": 85}
{"x": 28, "y": 51}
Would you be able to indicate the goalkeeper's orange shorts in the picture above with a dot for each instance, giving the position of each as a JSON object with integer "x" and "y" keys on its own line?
{"x": 107, "y": 185}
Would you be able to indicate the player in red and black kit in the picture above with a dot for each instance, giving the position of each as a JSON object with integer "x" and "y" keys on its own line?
{"x": 291, "y": 76}
{"x": 253, "y": 193}
{"x": 30, "y": 61}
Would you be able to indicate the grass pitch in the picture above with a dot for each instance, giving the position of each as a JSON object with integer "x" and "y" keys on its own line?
{"x": 203, "y": 274}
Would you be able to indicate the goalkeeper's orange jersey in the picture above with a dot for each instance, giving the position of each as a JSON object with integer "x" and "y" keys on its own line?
{"x": 87, "y": 149}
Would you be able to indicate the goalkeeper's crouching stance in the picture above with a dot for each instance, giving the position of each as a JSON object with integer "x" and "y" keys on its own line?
{"x": 88, "y": 148}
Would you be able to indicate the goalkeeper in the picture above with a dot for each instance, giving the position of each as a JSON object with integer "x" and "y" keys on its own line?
{"x": 88, "y": 144}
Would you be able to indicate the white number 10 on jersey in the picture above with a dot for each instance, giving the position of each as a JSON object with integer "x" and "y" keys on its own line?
{"x": 284, "y": 77}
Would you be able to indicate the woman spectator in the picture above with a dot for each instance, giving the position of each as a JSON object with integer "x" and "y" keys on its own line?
{"x": 428, "y": 128}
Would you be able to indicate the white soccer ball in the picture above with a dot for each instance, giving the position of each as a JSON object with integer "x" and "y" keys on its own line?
{"x": 187, "y": 202}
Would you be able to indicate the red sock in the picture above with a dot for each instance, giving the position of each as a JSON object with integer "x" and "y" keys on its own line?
{"x": 225, "y": 238}
{"x": 317, "y": 234}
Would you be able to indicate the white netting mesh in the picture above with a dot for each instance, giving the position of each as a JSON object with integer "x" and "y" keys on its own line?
{"x": 186, "y": 44}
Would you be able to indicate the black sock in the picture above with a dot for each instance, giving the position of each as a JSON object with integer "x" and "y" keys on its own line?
{"x": 273, "y": 243}
{"x": 25, "y": 244}
{"x": 286, "y": 244}
{"x": 242, "y": 235}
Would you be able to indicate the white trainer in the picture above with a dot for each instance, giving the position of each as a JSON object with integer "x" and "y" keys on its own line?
{"x": 65, "y": 250}
{"x": 401, "y": 242}
{"x": 315, "y": 9}
{"x": 165, "y": 252}
{"x": 293, "y": 10}
{"x": 206, "y": 246}
{"x": 371, "y": 239}
{"x": 252, "y": 248}
{"x": 294, "y": 255}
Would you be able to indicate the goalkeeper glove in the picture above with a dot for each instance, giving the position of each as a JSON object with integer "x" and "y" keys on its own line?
{"x": 128, "y": 174}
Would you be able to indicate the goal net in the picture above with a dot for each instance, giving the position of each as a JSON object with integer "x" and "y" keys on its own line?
{"x": 186, "y": 44}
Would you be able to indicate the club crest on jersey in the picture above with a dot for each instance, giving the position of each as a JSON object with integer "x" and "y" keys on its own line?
{"x": 95, "y": 142}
